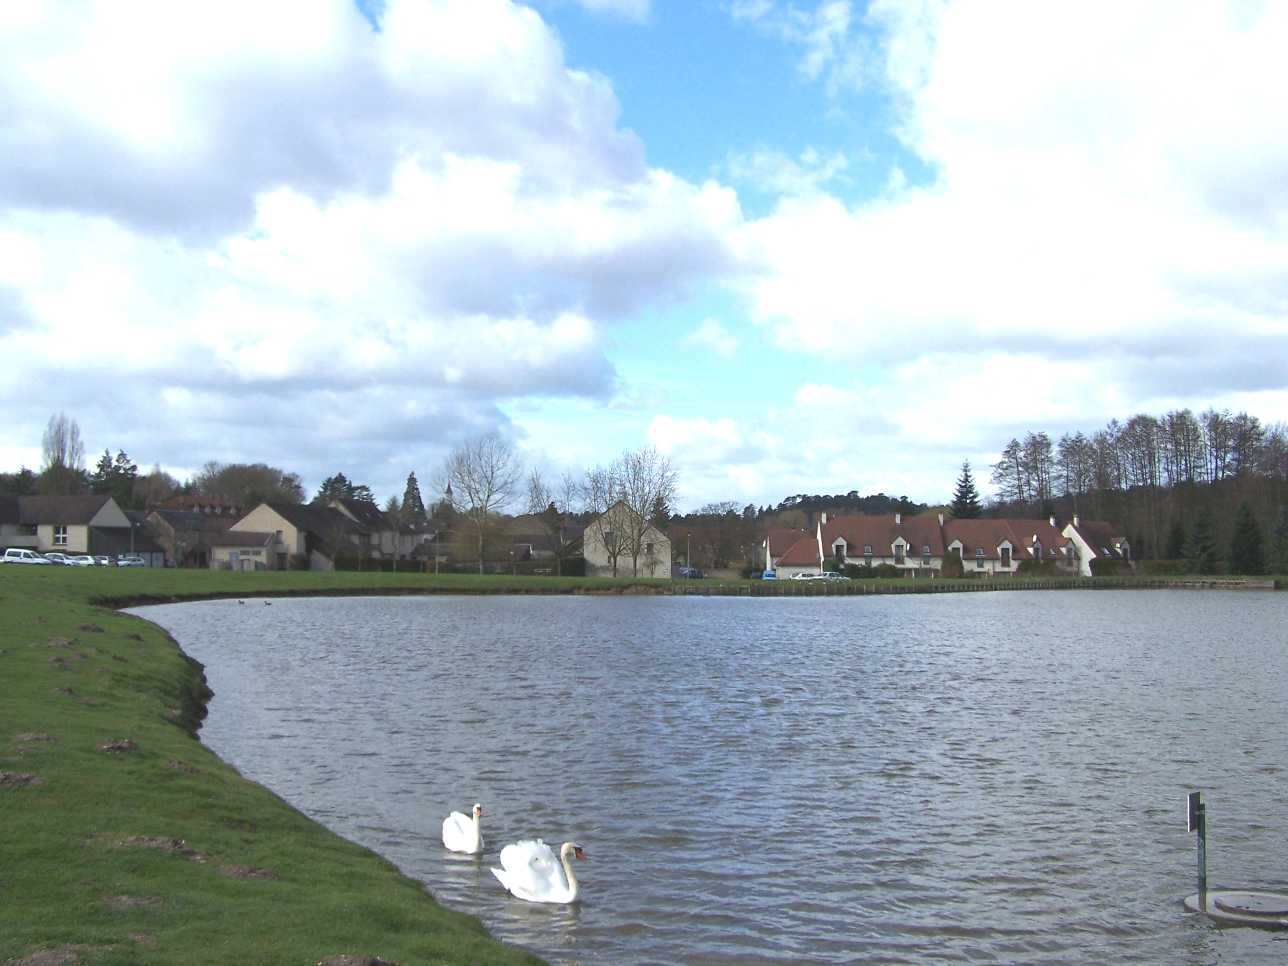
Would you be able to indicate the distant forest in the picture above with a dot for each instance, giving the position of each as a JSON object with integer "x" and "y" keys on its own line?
{"x": 1173, "y": 484}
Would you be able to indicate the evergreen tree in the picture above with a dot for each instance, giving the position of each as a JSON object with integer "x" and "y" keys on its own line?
{"x": 1246, "y": 554}
{"x": 413, "y": 507}
{"x": 1279, "y": 549}
{"x": 339, "y": 487}
{"x": 1175, "y": 549}
{"x": 1201, "y": 551}
{"x": 966, "y": 498}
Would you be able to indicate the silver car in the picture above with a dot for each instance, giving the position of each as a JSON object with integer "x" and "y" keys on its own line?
{"x": 19, "y": 555}
{"x": 130, "y": 560}
{"x": 79, "y": 560}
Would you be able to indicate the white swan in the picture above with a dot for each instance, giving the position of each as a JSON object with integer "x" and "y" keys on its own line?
{"x": 529, "y": 871}
{"x": 461, "y": 834}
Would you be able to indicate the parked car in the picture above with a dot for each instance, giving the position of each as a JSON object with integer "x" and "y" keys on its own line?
{"x": 130, "y": 560}
{"x": 102, "y": 561}
{"x": 55, "y": 557}
{"x": 769, "y": 575}
{"x": 833, "y": 575}
{"x": 79, "y": 560}
{"x": 692, "y": 573}
{"x": 807, "y": 576}
{"x": 20, "y": 555}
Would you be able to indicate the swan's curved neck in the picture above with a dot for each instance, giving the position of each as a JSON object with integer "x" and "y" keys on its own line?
{"x": 474, "y": 824}
{"x": 564, "y": 855}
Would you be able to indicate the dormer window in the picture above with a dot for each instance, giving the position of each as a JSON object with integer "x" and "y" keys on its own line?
{"x": 979, "y": 551}
{"x": 867, "y": 550}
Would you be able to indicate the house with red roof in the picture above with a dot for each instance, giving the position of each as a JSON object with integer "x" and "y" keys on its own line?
{"x": 989, "y": 547}
{"x": 777, "y": 542}
{"x": 918, "y": 545}
{"x": 914, "y": 544}
{"x": 1092, "y": 539}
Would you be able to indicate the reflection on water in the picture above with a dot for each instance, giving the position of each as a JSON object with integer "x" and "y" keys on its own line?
{"x": 975, "y": 778}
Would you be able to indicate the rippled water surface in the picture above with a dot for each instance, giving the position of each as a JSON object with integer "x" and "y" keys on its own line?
{"x": 973, "y": 778}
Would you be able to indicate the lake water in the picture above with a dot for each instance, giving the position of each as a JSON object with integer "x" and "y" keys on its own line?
{"x": 947, "y": 778}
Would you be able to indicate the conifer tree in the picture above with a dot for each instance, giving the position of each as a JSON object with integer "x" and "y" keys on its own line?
{"x": 413, "y": 507}
{"x": 1246, "y": 553}
{"x": 1279, "y": 548}
{"x": 966, "y": 498}
{"x": 1201, "y": 551}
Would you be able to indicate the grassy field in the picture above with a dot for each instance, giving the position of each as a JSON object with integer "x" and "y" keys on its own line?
{"x": 124, "y": 840}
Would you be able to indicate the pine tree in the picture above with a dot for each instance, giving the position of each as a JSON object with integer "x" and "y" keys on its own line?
{"x": 966, "y": 498}
{"x": 1201, "y": 551}
{"x": 1175, "y": 540}
{"x": 1246, "y": 554}
{"x": 413, "y": 507}
{"x": 1279, "y": 549}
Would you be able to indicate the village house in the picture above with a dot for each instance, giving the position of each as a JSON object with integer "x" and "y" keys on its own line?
{"x": 998, "y": 546}
{"x": 285, "y": 536}
{"x": 609, "y": 547}
{"x": 918, "y": 545}
{"x": 1094, "y": 539}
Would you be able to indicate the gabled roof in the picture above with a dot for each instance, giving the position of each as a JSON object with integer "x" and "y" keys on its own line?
{"x": 989, "y": 534}
{"x": 878, "y": 532}
{"x": 192, "y": 520}
{"x": 1100, "y": 537}
{"x": 366, "y": 514}
{"x": 60, "y": 510}
{"x": 322, "y": 521}
{"x": 781, "y": 538}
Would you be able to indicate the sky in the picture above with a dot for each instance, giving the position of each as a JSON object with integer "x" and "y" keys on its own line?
{"x": 798, "y": 247}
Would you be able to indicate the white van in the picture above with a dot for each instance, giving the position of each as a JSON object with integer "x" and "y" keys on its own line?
{"x": 19, "y": 555}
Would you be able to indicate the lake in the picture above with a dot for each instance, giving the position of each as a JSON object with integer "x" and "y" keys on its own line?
{"x": 946, "y": 778}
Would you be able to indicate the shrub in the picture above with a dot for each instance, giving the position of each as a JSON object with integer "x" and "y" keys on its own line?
{"x": 1037, "y": 568}
{"x": 1109, "y": 567}
{"x": 1150, "y": 568}
{"x": 952, "y": 567}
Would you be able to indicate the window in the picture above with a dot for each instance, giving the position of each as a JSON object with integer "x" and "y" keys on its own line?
{"x": 648, "y": 549}
{"x": 898, "y": 553}
{"x": 979, "y": 551}
{"x": 60, "y": 536}
{"x": 840, "y": 553}
{"x": 979, "y": 565}
{"x": 867, "y": 550}
{"x": 925, "y": 553}
{"x": 1006, "y": 556}
{"x": 608, "y": 539}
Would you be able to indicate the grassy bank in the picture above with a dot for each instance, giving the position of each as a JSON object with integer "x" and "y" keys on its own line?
{"x": 123, "y": 840}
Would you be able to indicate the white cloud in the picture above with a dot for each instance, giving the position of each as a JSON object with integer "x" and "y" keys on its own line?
{"x": 776, "y": 173}
{"x": 291, "y": 237}
{"x": 711, "y": 335}
{"x": 832, "y": 47}
{"x": 1097, "y": 194}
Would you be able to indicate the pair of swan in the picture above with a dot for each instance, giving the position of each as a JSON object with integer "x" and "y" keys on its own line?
{"x": 528, "y": 870}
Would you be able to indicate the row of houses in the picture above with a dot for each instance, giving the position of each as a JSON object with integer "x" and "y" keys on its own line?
{"x": 919, "y": 545}
{"x": 279, "y": 536}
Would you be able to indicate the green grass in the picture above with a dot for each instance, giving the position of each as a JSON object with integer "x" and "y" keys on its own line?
{"x": 80, "y": 862}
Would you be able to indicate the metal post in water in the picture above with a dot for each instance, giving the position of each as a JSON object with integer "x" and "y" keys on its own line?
{"x": 1198, "y": 825}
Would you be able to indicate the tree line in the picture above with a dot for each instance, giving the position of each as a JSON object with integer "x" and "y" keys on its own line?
{"x": 1179, "y": 485}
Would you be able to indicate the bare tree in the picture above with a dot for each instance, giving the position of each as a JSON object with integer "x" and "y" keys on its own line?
{"x": 483, "y": 473}
{"x": 154, "y": 488}
{"x": 610, "y": 525}
{"x": 64, "y": 465}
{"x": 550, "y": 503}
{"x": 648, "y": 482}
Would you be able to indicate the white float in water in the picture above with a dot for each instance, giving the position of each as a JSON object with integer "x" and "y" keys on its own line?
{"x": 1231, "y": 907}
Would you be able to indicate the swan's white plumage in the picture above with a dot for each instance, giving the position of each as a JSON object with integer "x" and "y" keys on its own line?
{"x": 461, "y": 832}
{"x": 530, "y": 870}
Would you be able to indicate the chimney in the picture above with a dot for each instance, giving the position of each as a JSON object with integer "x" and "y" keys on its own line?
{"x": 825, "y": 519}
{"x": 941, "y": 519}
{"x": 1053, "y": 519}
{"x": 898, "y": 519}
